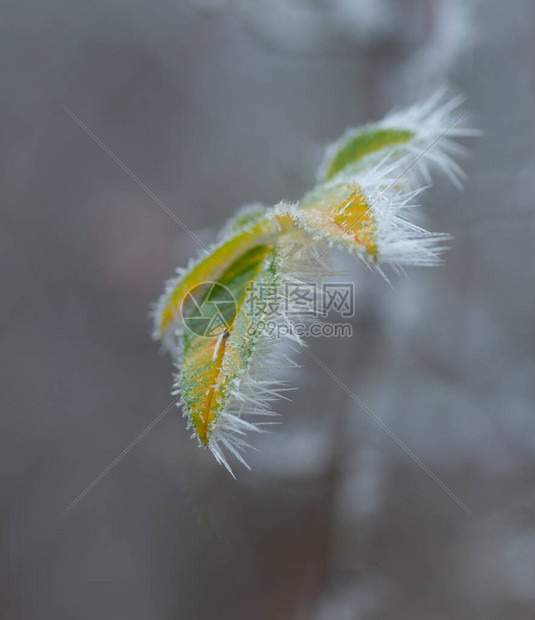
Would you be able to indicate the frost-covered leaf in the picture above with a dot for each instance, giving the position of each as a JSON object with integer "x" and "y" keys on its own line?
{"x": 369, "y": 182}
{"x": 244, "y": 218}
{"x": 368, "y": 215}
{"x": 339, "y": 213}
{"x": 361, "y": 142}
{"x": 208, "y": 268}
{"x": 420, "y": 138}
{"x": 218, "y": 344}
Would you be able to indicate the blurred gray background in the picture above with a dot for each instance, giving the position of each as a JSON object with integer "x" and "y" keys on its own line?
{"x": 214, "y": 104}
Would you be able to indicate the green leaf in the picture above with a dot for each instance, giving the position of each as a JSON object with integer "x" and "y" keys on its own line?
{"x": 210, "y": 268}
{"x": 213, "y": 362}
{"x": 359, "y": 143}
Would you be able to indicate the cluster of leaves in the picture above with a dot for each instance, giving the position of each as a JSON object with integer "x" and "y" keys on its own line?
{"x": 362, "y": 203}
